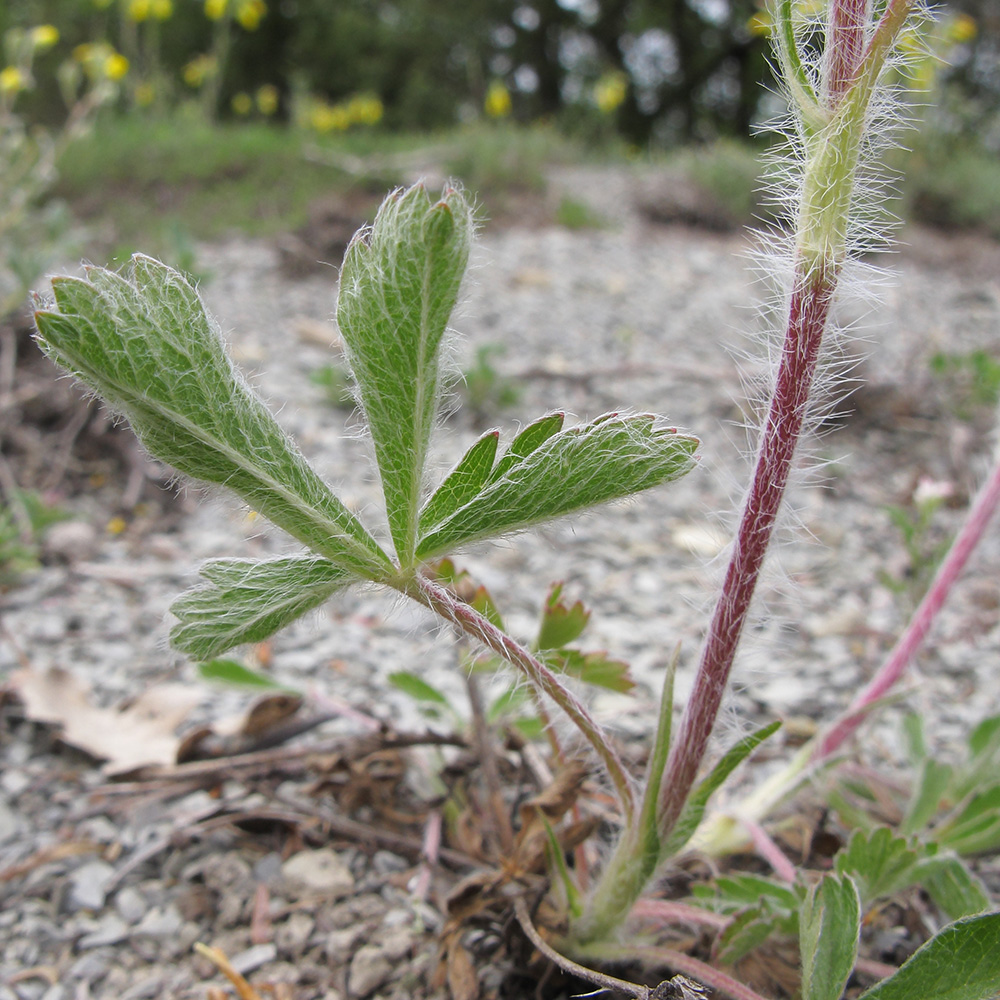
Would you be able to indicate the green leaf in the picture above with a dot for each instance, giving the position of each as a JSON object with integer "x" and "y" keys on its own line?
{"x": 931, "y": 791}
{"x": 954, "y": 889}
{"x": 417, "y": 688}
{"x": 984, "y": 740}
{"x": 234, "y": 673}
{"x": 560, "y": 624}
{"x": 694, "y": 809}
{"x": 144, "y": 342}
{"x": 528, "y": 440}
{"x": 744, "y": 890}
{"x": 748, "y": 929}
{"x": 248, "y": 601}
{"x": 398, "y": 286}
{"x": 961, "y": 962}
{"x": 829, "y": 929}
{"x": 880, "y": 862}
{"x": 976, "y": 828}
{"x": 611, "y": 458}
{"x": 462, "y": 483}
{"x": 596, "y": 669}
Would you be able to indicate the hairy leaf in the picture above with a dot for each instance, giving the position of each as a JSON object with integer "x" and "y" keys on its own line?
{"x": 247, "y": 601}
{"x": 931, "y": 789}
{"x": 597, "y": 669}
{"x": 398, "y": 286}
{"x": 976, "y": 827}
{"x": 961, "y": 962}
{"x": 694, "y": 809}
{"x": 829, "y": 929}
{"x": 880, "y": 863}
{"x": 570, "y": 470}
{"x": 144, "y": 342}
{"x": 462, "y": 483}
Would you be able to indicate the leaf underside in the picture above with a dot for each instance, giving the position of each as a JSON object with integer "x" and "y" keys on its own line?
{"x": 248, "y": 601}
{"x": 398, "y": 286}
{"x": 549, "y": 471}
{"x": 144, "y": 342}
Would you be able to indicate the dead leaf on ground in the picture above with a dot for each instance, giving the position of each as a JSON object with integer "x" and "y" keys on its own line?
{"x": 138, "y": 735}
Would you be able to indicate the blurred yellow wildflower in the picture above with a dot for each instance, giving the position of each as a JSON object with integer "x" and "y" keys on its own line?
{"x": 267, "y": 99}
{"x": 116, "y": 525}
{"x": 144, "y": 94}
{"x": 215, "y": 10}
{"x": 242, "y": 103}
{"x": 325, "y": 117}
{"x": 198, "y": 70}
{"x": 498, "y": 102}
{"x": 961, "y": 28}
{"x": 250, "y": 13}
{"x": 11, "y": 80}
{"x": 137, "y": 10}
{"x": 115, "y": 66}
{"x": 610, "y": 91}
{"x": 44, "y": 36}
{"x": 162, "y": 10}
{"x": 365, "y": 109}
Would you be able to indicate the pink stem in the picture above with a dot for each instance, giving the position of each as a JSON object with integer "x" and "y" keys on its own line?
{"x": 808, "y": 314}
{"x": 770, "y": 851}
{"x": 983, "y": 508}
{"x": 471, "y": 622}
{"x": 845, "y": 46}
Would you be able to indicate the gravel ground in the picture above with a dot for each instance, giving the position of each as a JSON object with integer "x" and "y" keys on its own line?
{"x": 626, "y": 316}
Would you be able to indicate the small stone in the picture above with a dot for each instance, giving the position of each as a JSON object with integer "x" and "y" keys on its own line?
{"x": 320, "y": 871}
{"x": 131, "y": 905}
{"x": 369, "y": 970}
{"x": 387, "y": 863}
{"x": 253, "y": 958}
{"x": 160, "y": 922}
{"x": 110, "y": 930}
{"x": 90, "y": 966}
{"x": 86, "y": 886}
{"x": 10, "y": 822}
{"x": 70, "y": 541}
{"x": 292, "y": 936}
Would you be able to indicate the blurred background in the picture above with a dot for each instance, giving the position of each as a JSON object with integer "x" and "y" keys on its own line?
{"x": 155, "y": 124}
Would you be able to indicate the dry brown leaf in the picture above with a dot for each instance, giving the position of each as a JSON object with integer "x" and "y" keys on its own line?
{"x": 463, "y": 983}
{"x": 138, "y": 735}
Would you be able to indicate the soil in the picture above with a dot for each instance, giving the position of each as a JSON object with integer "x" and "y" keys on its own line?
{"x": 302, "y": 839}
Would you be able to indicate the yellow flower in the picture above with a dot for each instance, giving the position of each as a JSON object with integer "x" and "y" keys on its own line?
{"x": 144, "y": 94}
{"x": 137, "y": 10}
{"x": 610, "y": 91}
{"x": 250, "y": 13}
{"x": 44, "y": 36}
{"x": 198, "y": 70}
{"x": 11, "y": 80}
{"x": 83, "y": 52}
{"x": 267, "y": 99}
{"x": 215, "y": 10}
{"x": 162, "y": 10}
{"x": 760, "y": 23}
{"x": 961, "y": 28}
{"x": 115, "y": 66}
{"x": 365, "y": 109}
{"x": 116, "y": 525}
{"x": 329, "y": 117}
{"x": 497, "y": 103}
{"x": 242, "y": 103}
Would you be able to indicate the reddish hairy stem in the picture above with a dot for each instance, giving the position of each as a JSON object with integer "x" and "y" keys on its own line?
{"x": 845, "y": 47}
{"x": 983, "y": 507}
{"x": 472, "y": 623}
{"x": 808, "y": 313}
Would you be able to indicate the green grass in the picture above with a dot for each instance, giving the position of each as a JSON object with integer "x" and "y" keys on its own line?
{"x": 157, "y": 184}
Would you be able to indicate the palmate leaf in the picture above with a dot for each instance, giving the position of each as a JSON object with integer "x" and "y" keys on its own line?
{"x": 144, "y": 342}
{"x": 398, "y": 287}
{"x": 247, "y": 601}
{"x": 556, "y": 472}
